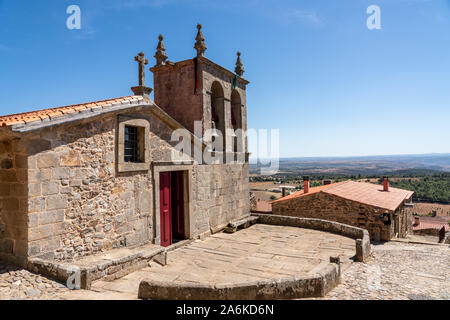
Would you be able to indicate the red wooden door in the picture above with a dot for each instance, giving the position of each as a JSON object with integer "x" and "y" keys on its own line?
{"x": 165, "y": 193}
{"x": 178, "y": 205}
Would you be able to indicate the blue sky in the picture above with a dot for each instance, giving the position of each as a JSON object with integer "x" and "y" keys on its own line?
{"x": 332, "y": 87}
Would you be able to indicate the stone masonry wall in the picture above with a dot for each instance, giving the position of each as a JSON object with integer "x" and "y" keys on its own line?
{"x": 174, "y": 88}
{"x": 327, "y": 207}
{"x": 13, "y": 201}
{"x": 175, "y": 92}
{"x": 221, "y": 194}
{"x": 78, "y": 205}
{"x": 406, "y": 220}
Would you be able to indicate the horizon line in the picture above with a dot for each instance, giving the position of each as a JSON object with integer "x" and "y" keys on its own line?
{"x": 364, "y": 156}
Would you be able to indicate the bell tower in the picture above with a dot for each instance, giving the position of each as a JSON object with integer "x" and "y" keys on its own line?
{"x": 200, "y": 93}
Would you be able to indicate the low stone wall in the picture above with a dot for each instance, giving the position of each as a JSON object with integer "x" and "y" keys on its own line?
{"x": 363, "y": 247}
{"x": 317, "y": 285}
{"x": 427, "y": 232}
{"x": 102, "y": 268}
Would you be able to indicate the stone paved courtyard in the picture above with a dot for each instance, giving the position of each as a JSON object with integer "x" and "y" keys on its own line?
{"x": 397, "y": 270}
{"x": 259, "y": 252}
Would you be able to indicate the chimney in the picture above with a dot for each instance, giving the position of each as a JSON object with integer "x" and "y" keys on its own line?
{"x": 416, "y": 220}
{"x": 386, "y": 183}
{"x": 305, "y": 184}
{"x": 283, "y": 192}
{"x": 327, "y": 182}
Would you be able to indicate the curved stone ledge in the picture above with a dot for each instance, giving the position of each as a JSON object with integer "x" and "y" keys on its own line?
{"x": 316, "y": 285}
{"x": 363, "y": 247}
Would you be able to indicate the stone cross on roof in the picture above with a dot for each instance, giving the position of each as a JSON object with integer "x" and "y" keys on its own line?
{"x": 141, "y": 90}
{"x": 239, "y": 66}
{"x": 161, "y": 55}
{"x": 140, "y": 58}
{"x": 200, "y": 45}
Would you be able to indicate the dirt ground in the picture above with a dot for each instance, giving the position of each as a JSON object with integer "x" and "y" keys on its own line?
{"x": 266, "y": 196}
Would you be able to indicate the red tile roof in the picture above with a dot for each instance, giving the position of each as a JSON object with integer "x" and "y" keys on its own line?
{"x": 52, "y": 113}
{"x": 432, "y": 223}
{"x": 301, "y": 193}
{"x": 362, "y": 192}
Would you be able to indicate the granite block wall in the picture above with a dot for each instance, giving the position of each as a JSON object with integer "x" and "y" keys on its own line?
{"x": 13, "y": 201}
{"x": 78, "y": 204}
{"x": 62, "y": 197}
{"x": 328, "y": 207}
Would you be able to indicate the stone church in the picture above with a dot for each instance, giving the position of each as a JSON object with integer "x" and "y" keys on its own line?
{"x": 87, "y": 178}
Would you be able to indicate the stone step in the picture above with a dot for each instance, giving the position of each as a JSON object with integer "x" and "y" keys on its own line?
{"x": 108, "y": 266}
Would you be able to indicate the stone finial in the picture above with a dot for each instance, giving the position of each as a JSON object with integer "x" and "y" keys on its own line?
{"x": 200, "y": 45}
{"x": 239, "y": 66}
{"x": 140, "y": 58}
{"x": 161, "y": 55}
{"x": 141, "y": 89}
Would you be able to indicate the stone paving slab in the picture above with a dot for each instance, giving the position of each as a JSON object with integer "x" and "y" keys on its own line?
{"x": 261, "y": 252}
{"x": 282, "y": 250}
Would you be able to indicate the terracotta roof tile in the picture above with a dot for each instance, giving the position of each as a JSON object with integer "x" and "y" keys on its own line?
{"x": 432, "y": 223}
{"x": 80, "y": 108}
{"x": 55, "y": 114}
{"x": 31, "y": 118}
{"x": 52, "y": 113}
{"x": 362, "y": 192}
{"x": 371, "y": 194}
{"x": 43, "y": 116}
{"x": 69, "y": 111}
{"x": 11, "y": 121}
{"x": 427, "y": 225}
{"x": 301, "y": 193}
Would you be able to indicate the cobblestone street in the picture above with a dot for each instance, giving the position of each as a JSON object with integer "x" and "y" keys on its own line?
{"x": 20, "y": 284}
{"x": 399, "y": 271}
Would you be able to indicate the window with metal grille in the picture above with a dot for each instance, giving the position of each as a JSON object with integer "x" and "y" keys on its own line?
{"x": 132, "y": 154}
{"x": 131, "y": 144}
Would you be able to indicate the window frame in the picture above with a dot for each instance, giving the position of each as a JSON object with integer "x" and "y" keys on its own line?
{"x": 143, "y": 131}
{"x": 134, "y": 145}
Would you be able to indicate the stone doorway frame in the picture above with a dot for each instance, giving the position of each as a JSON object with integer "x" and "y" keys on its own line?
{"x": 157, "y": 168}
